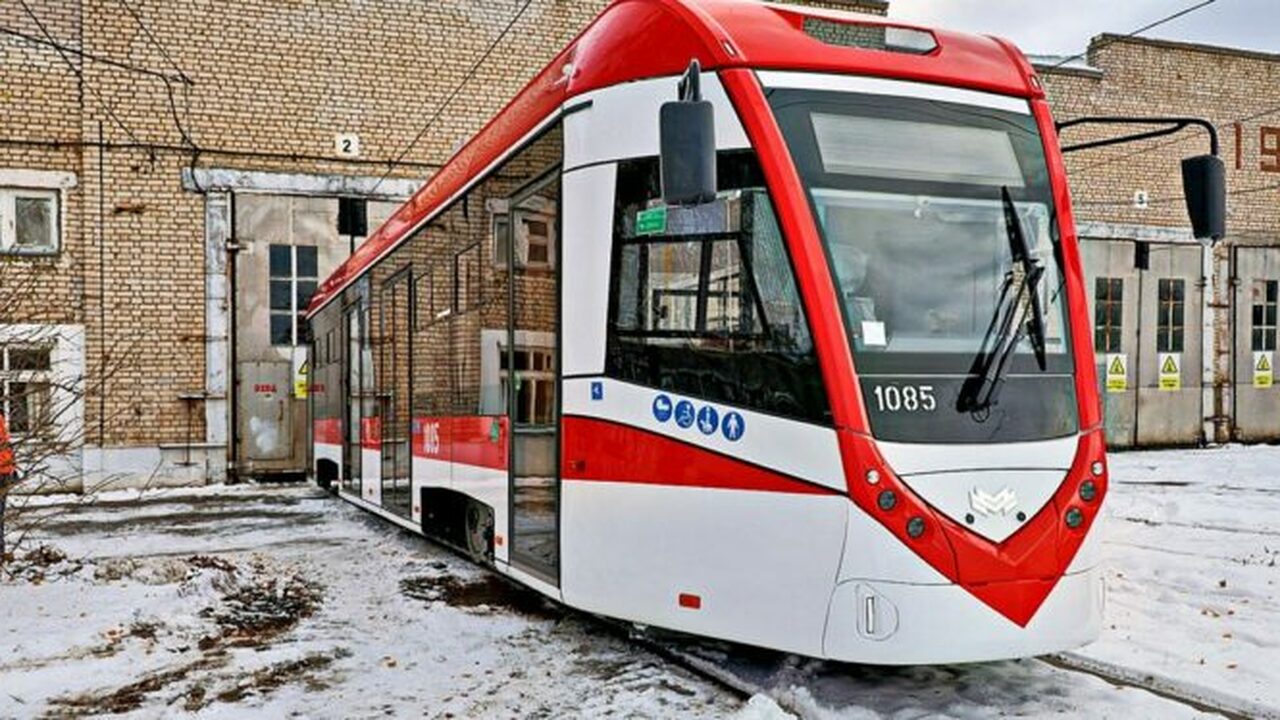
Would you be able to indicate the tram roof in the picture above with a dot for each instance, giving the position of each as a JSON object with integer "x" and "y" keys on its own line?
{"x": 639, "y": 39}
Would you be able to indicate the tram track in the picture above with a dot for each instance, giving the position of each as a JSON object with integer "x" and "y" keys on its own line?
{"x": 680, "y": 651}
{"x": 1193, "y": 696}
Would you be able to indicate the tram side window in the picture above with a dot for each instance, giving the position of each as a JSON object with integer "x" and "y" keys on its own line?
{"x": 713, "y": 315}
{"x": 1266, "y": 297}
{"x": 1108, "y": 314}
{"x": 1170, "y": 315}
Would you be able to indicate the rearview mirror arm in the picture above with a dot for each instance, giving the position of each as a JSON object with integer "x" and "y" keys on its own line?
{"x": 1173, "y": 125}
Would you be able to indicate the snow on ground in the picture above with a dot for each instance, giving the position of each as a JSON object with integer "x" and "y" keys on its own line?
{"x": 1193, "y": 545}
{"x": 279, "y": 601}
{"x": 275, "y": 602}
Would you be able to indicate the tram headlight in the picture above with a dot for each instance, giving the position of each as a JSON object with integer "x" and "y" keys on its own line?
{"x": 873, "y": 477}
{"x": 1097, "y": 468}
{"x": 1074, "y": 518}
{"x": 1088, "y": 491}
{"x": 915, "y": 527}
{"x": 887, "y": 500}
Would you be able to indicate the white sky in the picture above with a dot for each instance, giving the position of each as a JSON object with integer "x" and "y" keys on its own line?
{"x": 1064, "y": 27}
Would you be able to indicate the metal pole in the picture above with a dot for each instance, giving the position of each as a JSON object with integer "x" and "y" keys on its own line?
{"x": 102, "y": 298}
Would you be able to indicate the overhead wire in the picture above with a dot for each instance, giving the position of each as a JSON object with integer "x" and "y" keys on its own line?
{"x": 79, "y": 73}
{"x": 1149, "y": 26}
{"x": 453, "y": 94}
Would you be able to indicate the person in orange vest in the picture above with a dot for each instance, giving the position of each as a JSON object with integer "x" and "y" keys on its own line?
{"x": 8, "y": 475}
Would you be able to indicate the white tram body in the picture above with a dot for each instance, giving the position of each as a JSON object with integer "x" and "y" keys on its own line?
{"x": 686, "y": 417}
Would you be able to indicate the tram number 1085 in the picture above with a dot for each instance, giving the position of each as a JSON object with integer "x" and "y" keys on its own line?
{"x": 905, "y": 398}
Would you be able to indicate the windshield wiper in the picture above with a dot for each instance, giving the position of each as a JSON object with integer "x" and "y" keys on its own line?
{"x": 1019, "y": 297}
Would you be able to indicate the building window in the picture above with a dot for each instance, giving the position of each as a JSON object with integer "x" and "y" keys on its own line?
{"x": 1170, "y": 314}
{"x": 1108, "y": 314}
{"x": 29, "y": 222}
{"x": 26, "y": 389}
{"x": 533, "y": 234}
{"x": 1264, "y": 315}
{"x": 294, "y": 273}
{"x": 535, "y": 377}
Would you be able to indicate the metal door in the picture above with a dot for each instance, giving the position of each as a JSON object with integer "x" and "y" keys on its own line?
{"x": 287, "y": 244}
{"x": 1169, "y": 353}
{"x": 1112, "y": 286}
{"x": 1256, "y": 280}
{"x": 266, "y": 403}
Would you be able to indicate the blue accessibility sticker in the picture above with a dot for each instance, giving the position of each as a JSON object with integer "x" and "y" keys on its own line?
{"x": 733, "y": 427}
{"x": 662, "y": 408}
{"x": 597, "y": 390}
{"x": 684, "y": 414}
{"x": 708, "y": 420}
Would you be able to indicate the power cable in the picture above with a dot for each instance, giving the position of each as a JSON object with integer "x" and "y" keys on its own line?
{"x": 1175, "y": 141}
{"x": 82, "y": 54}
{"x": 147, "y": 31}
{"x": 79, "y": 73}
{"x": 1150, "y": 26}
{"x": 456, "y": 91}
{"x": 186, "y": 79}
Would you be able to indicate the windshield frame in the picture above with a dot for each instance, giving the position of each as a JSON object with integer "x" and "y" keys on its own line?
{"x": 794, "y": 102}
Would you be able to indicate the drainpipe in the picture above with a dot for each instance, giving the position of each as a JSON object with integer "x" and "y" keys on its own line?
{"x": 1212, "y": 400}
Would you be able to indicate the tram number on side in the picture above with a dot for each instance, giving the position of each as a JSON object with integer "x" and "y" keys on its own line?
{"x": 905, "y": 398}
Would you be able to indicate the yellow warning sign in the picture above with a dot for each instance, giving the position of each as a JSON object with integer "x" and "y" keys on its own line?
{"x": 1117, "y": 372}
{"x": 1170, "y": 371}
{"x": 1263, "y": 369}
{"x": 301, "y": 383}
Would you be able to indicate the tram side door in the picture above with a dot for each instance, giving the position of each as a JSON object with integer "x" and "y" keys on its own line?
{"x": 353, "y": 333}
{"x": 529, "y": 368}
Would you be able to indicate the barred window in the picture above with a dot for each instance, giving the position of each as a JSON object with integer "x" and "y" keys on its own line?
{"x": 1108, "y": 314}
{"x": 1170, "y": 315}
{"x": 294, "y": 275}
{"x": 26, "y": 386}
{"x": 1264, "y": 314}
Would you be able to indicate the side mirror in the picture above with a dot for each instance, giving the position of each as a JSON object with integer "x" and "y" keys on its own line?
{"x": 688, "y": 144}
{"x": 1204, "y": 181}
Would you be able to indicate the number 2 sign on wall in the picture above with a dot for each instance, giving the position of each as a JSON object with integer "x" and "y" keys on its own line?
{"x": 347, "y": 144}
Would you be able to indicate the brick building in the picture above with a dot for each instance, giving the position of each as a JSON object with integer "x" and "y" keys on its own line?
{"x": 1193, "y": 328}
{"x": 173, "y": 181}
{"x": 155, "y": 276}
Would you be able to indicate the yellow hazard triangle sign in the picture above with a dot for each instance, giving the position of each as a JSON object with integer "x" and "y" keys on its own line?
{"x": 1264, "y": 364}
{"x": 1117, "y": 367}
{"x": 1170, "y": 366}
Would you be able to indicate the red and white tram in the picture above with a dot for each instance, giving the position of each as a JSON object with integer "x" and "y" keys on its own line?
{"x": 790, "y": 350}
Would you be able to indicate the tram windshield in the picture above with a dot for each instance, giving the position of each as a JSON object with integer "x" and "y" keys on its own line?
{"x": 939, "y": 223}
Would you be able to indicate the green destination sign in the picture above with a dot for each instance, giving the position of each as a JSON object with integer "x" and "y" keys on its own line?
{"x": 652, "y": 221}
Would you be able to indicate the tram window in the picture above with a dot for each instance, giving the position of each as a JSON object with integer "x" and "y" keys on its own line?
{"x": 467, "y": 274}
{"x": 1266, "y": 297}
{"x": 500, "y": 228}
{"x": 1170, "y": 315}
{"x": 714, "y": 315}
{"x": 535, "y": 383}
{"x": 1108, "y": 314}
{"x": 422, "y": 315}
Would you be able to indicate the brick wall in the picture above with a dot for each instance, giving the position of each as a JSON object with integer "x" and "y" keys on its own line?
{"x": 1146, "y": 78}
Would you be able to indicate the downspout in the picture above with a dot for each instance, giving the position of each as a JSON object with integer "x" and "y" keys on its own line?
{"x": 1211, "y": 396}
